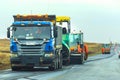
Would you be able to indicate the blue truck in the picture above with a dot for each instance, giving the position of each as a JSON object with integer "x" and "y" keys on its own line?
{"x": 35, "y": 41}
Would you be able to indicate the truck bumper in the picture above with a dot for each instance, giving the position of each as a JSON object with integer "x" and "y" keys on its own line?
{"x": 106, "y": 52}
{"x": 35, "y": 61}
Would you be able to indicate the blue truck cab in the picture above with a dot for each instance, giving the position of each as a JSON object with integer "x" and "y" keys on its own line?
{"x": 34, "y": 42}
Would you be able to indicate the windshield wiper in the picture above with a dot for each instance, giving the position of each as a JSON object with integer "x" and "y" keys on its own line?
{"x": 30, "y": 39}
{"x": 21, "y": 38}
{"x": 38, "y": 38}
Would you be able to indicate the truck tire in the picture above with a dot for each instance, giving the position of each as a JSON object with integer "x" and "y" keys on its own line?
{"x": 28, "y": 67}
{"x": 54, "y": 66}
{"x": 51, "y": 68}
{"x": 14, "y": 68}
{"x": 66, "y": 62}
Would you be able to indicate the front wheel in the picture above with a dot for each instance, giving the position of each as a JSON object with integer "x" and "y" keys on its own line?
{"x": 15, "y": 68}
{"x": 53, "y": 66}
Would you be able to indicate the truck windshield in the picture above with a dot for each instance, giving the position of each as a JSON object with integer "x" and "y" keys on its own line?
{"x": 106, "y": 45}
{"x": 34, "y": 32}
{"x": 75, "y": 38}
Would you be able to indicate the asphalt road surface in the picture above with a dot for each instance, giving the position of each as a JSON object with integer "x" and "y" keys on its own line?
{"x": 101, "y": 67}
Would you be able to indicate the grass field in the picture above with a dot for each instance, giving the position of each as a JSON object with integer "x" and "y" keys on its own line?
{"x": 93, "y": 48}
{"x": 4, "y": 54}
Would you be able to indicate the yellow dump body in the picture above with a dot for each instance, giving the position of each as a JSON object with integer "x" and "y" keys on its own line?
{"x": 62, "y": 18}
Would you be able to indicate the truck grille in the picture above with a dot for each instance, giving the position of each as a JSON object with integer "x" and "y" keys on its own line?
{"x": 30, "y": 49}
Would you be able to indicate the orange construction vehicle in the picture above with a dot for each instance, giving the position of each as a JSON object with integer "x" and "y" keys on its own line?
{"x": 106, "y": 49}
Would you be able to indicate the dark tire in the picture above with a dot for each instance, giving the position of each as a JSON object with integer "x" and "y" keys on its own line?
{"x": 53, "y": 67}
{"x": 14, "y": 68}
{"x": 66, "y": 62}
{"x": 28, "y": 67}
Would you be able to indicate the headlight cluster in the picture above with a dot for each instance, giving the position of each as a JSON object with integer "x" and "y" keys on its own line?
{"x": 49, "y": 46}
{"x": 13, "y": 46}
{"x": 49, "y": 55}
{"x": 14, "y": 55}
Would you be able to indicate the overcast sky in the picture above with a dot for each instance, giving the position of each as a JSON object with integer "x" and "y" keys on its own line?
{"x": 98, "y": 19}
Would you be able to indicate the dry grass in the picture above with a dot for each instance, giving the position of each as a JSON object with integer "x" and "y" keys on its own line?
{"x": 4, "y": 54}
{"x": 94, "y": 49}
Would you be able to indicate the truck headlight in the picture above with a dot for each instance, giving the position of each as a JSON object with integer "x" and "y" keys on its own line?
{"x": 13, "y": 55}
{"x": 49, "y": 55}
{"x": 13, "y": 46}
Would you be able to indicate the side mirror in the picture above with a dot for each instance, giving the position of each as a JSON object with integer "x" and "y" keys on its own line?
{"x": 64, "y": 30}
{"x": 8, "y": 32}
{"x": 55, "y": 32}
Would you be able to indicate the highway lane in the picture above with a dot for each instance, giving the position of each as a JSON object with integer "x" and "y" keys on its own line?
{"x": 28, "y": 74}
{"x": 96, "y": 68}
{"x": 106, "y": 69}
